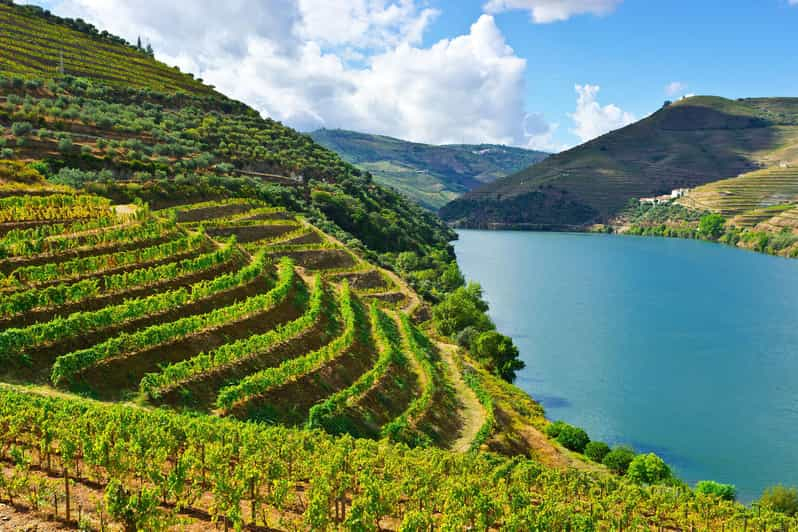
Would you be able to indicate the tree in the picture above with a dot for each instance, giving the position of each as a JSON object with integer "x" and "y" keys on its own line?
{"x": 65, "y": 144}
{"x": 138, "y": 42}
{"x": 573, "y": 438}
{"x": 781, "y": 499}
{"x": 597, "y": 450}
{"x": 498, "y": 354}
{"x": 726, "y": 492}
{"x": 618, "y": 459}
{"x": 648, "y": 469}
{"x": 21, "y": 129}
{"x": 460, "y": 309}
{"x": 711, "y": 226}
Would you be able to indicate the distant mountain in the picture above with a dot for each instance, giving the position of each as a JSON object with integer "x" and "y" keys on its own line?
{"x": 430, "y": 175}
{"x": 686, "y": 144}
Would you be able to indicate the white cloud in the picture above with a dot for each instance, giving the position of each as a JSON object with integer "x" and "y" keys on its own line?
{"x": 591, "y": 119}
{"x": 545, "y": 11}
{"x": 676, "y": 87}
{"x": 356, "y": 64}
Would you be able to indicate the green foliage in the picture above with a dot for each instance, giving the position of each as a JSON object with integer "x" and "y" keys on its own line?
{"x": 711, "y": 226}
{"x": 429, "y": 175}
{"x": 618, "y": 459}
{"x": 648, "y": 469}
{"x": 553, "y": 429}
{"x": 498, "y": 354}
{"x": 573, "y": 438}
{"x": 597, "y": 451}
{"x": 780, "y": 499}
{"x": 462, "y": 308}
{"x": 21, "y": 129}
{"x": 709, "y": 487}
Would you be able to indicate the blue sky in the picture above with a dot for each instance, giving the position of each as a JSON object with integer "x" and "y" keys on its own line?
{"x": 445, "y": 71}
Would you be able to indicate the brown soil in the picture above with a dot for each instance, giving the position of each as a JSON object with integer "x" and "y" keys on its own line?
{"x": 392, "y": 298}
{"x": 250, "y": 233}
{"x": 308, "y": 238}
{"x": 110, "y": 378}
{"x": 319, "y": 259}
{"x": 366, "y": 280}
{"x": 209, "y": 213}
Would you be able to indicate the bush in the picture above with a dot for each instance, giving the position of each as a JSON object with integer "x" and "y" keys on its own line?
{"x": 553, "y": 429}
{"x": 498, "y": 354}
{"x": 597, "y": 450}
{"x": 618, "y": 460}
{"x": 6, "y": 153}
{"x": 781, "y": 499}
{"x": 711, "y": 226}
{"x": 65, "y": 144}
{"x": 648, "y": 469}
{"x": 573, "y": 438}
{"x": 20, "y": 129}
{"x": 726, "y": 492}
{"x": 466, "y": 337}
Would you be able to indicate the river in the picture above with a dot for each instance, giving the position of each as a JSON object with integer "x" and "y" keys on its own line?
{"x": 685, "y": 348}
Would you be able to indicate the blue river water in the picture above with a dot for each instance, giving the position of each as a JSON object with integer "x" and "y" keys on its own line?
{"x": 684, "y": 348}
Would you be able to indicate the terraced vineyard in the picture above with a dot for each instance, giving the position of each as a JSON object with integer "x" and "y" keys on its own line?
{"x": 31, "y": 44}
{"x": 195, "y": 334}
{"x": 223, "y": 306}
{"x": 751, "y": 198}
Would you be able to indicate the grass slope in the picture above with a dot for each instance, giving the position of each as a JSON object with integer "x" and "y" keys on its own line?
{"x": 430, "y": 175}
{"x": 34, "y": 43}
{"x": 689, "y": 143}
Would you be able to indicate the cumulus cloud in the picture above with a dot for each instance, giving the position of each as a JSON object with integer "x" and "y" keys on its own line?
{"x": 545, "y": 11}
{"x": 676, "y": 87}
{"x": 358, "y": 64}
{"x": 591, "y": 119}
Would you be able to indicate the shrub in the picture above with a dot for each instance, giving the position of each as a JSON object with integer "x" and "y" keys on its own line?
{"x": 726, "y": 492}
{"x": 466, "y": 337}
{"x": 597, "y": 450}
{"x": 648, "y": 469}
{"x": 498, "y": 354}
{"x": 65, "y": 144}
{"x": 781, "y": 499}
{"x": 20, "y": 129}
{"x": 6, "y": 153}
{"x": 618, "y": 459}
{"x": 711, "y": 226}
{"x": 553, "y": 429}
{"x": 573, "y": 438}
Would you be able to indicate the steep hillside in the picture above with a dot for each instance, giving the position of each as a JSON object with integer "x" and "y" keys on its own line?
{"x": 689, "y": 143}
{"x": 430, "y": 175}
{"x": 202, "y": 325}
{"x": 33, "y": 42}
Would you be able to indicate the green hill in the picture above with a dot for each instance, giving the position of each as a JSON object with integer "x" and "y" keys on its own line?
{"x": 430, "y": 175}
{"x": 203, "y": 325}
{"x": 689, "y": 143}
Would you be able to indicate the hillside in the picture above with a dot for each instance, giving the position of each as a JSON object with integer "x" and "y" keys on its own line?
{"x": 430, "y": 175}
{"x": 208, "y": 321}
{"x": 689, "y": 143}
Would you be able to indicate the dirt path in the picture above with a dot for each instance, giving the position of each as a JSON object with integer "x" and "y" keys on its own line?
{"x": 471, "y": 412}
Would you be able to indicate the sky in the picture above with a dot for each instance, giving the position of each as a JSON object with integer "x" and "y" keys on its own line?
{"x": 540, "y": 74}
